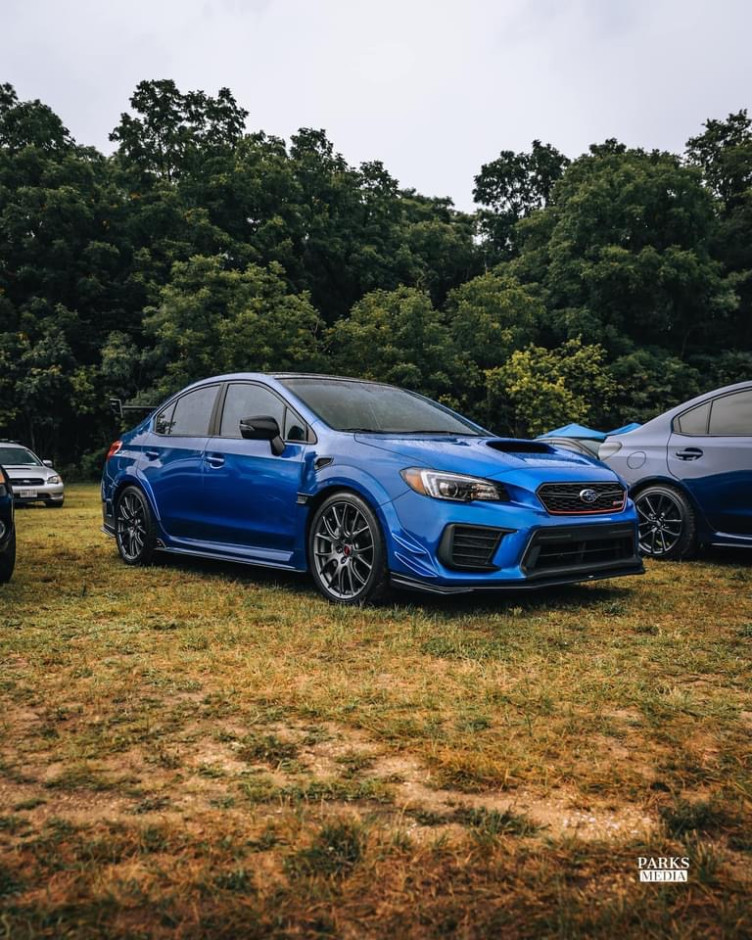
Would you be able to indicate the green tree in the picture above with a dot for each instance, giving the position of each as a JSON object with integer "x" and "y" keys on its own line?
{"x": 212, "y": 319}
{"x": 174, "y": 133}
{"x": 649, "y": 381}
{"x": 539, "y": 389}
{"x": 397, "y": 336}
{"x": 723, "y": 152}
{"x": 511, "y": 187}
{"x": 623, "y": 254}
{"x": 492, "y": 315}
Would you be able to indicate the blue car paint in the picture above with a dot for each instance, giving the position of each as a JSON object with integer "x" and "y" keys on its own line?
{"x": 203, "y": 507}
{"x": 718, "y": 483}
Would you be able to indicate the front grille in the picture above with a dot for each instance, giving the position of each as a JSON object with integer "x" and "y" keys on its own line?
{"x": 30, "y": 481}
{"x": 582, "y": 498}
{"x": 470, "y": 546}
{"x": 579, "y": 548}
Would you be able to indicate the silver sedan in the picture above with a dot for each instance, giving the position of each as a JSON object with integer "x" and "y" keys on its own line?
{"x": 690, "y": 473}
{"x": 32, "y": 480}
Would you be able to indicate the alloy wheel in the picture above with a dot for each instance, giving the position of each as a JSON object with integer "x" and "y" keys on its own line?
{"x": 660, "y": 523}
{"x": 343, "y": 550}
{"x": 131, "y": 525}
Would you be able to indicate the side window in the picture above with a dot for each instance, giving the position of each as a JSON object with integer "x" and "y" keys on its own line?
{"x": 246, "y": 401}
{"x": 295, "y": 429}
{"x": 163, "y": 423}
{"x": 192, "y": 413}
{"x": 694, "y": 421}
{"x": 731, "y": 416}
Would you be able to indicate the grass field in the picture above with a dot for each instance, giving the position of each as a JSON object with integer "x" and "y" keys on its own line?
{"x": 199, "y": 750}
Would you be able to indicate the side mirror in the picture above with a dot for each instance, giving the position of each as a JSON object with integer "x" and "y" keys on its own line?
{"x": 263, "y": 428}
{"x": 47, "y": 463}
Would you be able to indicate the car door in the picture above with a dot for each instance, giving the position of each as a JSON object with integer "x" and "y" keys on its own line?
{"x": 710, "y": 450}
{"x": 173, "y": 461}
{"x": 250, "y": 494}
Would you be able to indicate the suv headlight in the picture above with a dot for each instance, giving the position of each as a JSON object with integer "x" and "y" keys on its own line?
{"x": 454, "y": 486}
{"x": 53, "y": 480}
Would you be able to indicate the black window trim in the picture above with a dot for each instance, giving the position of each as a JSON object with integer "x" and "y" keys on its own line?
{"x": 174, "y": 401}
{"x": 216, "y": 424}
{"x": 711, "y": 402}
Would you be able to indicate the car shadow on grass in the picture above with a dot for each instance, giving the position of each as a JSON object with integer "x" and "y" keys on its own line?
{"x": 566, "y": 597}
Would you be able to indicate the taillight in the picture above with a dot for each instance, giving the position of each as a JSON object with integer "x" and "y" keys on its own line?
{"x": 114, "y": 448}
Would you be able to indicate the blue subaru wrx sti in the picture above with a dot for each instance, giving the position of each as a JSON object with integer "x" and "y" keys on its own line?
{"x": 362, "y": 484}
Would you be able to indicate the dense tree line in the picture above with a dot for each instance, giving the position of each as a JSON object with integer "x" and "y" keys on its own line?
{"x": 601, "y": 289}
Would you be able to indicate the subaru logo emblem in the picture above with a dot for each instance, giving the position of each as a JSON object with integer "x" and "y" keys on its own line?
{"x": 588, "y": 496}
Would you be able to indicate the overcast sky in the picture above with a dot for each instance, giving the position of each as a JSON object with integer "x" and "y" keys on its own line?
{"x": 432, "y": 88}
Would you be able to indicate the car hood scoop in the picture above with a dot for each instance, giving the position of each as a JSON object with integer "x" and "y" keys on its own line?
{"x": 511, "y": 446}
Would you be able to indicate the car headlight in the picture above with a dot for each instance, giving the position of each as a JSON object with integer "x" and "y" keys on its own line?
{"x": 54, "y": 479}
{"x": 454, "y": 486}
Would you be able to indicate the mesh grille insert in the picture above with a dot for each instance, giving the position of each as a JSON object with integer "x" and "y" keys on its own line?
{"x": 582, "y": 498}
{"x": 587, "y": 549}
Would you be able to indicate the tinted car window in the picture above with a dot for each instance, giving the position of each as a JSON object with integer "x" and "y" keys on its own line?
{"x": 694, "y": 421}
{"x": 249, "y": 401}
{"x": 732, "y": 415}
{"x": 163, "y": 422}
{"x": 192, "y": 413}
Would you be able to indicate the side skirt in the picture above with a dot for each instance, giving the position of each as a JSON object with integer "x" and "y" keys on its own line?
{"x": 235, "y": 559}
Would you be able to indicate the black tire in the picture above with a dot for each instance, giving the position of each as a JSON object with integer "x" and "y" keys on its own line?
{"x": 346, "y": 551}
{"x": 135, "y": 529}
{"x": 8, "y": 560}
{"x": 667, "y": 523}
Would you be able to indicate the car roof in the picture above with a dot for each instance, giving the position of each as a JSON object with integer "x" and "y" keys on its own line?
{"x": 279, "y": 376}
{"x": 668, "y": 416}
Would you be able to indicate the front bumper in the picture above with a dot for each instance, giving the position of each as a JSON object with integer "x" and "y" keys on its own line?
{"x": 51, "y": 493}
{"x": 533, "y": 548}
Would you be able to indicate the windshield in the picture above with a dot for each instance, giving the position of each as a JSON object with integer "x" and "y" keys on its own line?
{"x": 17, "y": 455}
{"x": 349, "y": 405}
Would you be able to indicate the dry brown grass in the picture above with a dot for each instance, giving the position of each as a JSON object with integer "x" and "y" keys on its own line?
{"x": 200, "y": 750}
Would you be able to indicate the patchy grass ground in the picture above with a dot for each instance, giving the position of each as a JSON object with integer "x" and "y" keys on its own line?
{"x": 198, "y": 750}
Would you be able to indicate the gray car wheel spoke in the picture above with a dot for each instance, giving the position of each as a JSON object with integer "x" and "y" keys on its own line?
{"x": 343, "y": 550}
{"x": 130, "y": 526}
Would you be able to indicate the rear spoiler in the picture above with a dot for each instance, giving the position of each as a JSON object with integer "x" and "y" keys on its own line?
{"x": 119, "y": 409}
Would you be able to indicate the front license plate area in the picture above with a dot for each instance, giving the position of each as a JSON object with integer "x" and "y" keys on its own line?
{"x": 28, "y": 494}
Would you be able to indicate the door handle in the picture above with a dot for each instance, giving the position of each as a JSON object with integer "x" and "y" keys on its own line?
{"x": 691, "y": 453}
{"x": 151, "y": 454}
{"x": 215, "y": 460}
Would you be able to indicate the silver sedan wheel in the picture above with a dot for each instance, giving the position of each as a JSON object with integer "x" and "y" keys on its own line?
{"x": 660, "y": 523}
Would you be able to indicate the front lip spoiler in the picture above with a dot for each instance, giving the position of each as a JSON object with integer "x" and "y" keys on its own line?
{"x": 413, "y": 584}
